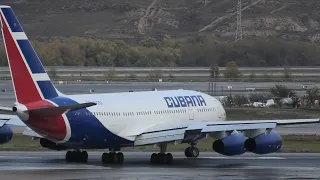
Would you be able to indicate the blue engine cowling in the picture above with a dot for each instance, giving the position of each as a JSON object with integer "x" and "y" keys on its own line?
{"x": 6, "y": 134}
{"x": 264, "y": 143}
{"x": 231, "y": 145}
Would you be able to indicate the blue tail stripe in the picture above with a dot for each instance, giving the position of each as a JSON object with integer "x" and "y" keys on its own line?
{"x": 12, "y": 20}
{"x": 47, "y": 89}
{"x": 31, "y": 57}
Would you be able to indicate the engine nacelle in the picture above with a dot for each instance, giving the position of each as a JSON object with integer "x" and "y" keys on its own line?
{"x": 264, "y": 143}
{"x": 52, "y": 145}
{"x": 6, "y": 134}
{"x": 231, "y": 145}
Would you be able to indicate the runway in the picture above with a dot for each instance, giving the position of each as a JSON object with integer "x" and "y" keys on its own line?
{"x": 51, "y": 165}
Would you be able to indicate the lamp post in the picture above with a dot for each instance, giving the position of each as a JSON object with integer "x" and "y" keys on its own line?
{"x": 230, "y": 88}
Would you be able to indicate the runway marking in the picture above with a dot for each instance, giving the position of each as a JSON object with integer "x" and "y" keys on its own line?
{"x": 60, "y": 167}
{"x": 240, "y": 158}
{"x": 278, "y": 168}
{"x": 20, "y": 157}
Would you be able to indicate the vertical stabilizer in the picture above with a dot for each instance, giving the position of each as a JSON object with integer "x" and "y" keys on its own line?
{"x": 30, "y": 80}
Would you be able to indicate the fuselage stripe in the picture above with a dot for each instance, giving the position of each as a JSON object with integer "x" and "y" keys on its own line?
{"x": 12, "y": 20}
{"x": 47, "y": 89}
{"x": 31, "y": 57}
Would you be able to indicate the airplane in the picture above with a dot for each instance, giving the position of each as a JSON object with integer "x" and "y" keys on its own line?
{"x": 116, "y": 120}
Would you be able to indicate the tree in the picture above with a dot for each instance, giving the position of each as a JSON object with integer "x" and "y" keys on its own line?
{"x": 287, "y": 73}
{"x": 214, "y": 71}
{"x": 282, "y": 91}
{"x": 313, "y": 94}
{"x": 232, "y": 70}
{"x": 259, "y": 97}
{"x": 53, "y": 73}
{"x": 171, "y": 76}
{"x": 252, "y": 76}
{"x": 156, "y": 74}
{"x": 110, "y": 74}
{"x": 266, "y": 77}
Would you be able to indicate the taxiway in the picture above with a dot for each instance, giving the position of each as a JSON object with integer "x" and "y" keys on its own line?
{"x": 7, "y": 93}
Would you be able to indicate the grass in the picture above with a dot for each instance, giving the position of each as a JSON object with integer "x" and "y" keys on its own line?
{"x": 291, "y": 143}
{"x": 270, "y": 113}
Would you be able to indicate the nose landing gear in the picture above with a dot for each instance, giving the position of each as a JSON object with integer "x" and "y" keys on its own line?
{"x": 191, "y": 152}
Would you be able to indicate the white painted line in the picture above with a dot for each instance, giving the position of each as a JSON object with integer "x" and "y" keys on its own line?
{"x": 241, "y": 158}
{"x": 62, "y": 167}
{"x": 20, "y": 157}
{"x": 271, "y": 158}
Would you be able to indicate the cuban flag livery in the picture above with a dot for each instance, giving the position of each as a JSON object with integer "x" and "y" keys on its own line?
{"x": 116, "y": 120}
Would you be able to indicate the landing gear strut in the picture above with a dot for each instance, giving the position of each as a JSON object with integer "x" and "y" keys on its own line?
{"x": 112, "y": 158}
{"x": 162, "y": 157}
{"x": 191, "y": 152}
{"x": 77, "y": 156}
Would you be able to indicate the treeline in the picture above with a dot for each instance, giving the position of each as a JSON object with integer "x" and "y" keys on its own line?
{"x": 196, "y": 51}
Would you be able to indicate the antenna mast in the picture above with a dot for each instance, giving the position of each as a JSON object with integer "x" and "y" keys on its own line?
{"x": 239, "y": 24}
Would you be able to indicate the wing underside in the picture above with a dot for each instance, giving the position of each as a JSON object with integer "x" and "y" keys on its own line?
{"x": 191, "y": 130}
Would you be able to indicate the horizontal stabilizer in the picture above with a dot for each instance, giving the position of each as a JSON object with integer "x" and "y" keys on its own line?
{"x": 55, "y": 111}
{"x": 30, "y": 132}
{"x": 7, "y": 110}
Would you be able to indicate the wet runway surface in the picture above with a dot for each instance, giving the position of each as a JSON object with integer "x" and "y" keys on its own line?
{"x": 51, "y": 165}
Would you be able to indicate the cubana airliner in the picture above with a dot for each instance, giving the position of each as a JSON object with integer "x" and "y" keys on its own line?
{"x": 116, "y": 120}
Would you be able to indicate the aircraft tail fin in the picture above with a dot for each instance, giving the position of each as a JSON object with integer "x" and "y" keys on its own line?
{"x": 30, "y": 80}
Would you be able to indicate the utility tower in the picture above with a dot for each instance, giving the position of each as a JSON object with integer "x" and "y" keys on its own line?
{"x": 239, "y": 25}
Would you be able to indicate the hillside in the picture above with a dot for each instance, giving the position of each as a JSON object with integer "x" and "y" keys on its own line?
{"x": 135, "y": 20}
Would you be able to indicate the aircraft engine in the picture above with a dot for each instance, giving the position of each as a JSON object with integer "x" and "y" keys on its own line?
{"x": 52, "y": 145}
{"x": 231, "y": 145}
{"x": 5, "y": 134}
{"x": 264, "y": 143}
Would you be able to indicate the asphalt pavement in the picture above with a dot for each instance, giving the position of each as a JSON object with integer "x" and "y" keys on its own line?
{"x": 52, "y": 166}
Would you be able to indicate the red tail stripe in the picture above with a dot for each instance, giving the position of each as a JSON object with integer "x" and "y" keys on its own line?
{"x": 21, "y": 77}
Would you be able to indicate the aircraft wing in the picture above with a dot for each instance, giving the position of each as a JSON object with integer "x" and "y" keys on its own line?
{"x": 183, "y": 131}
{"x": 11, "y": 120}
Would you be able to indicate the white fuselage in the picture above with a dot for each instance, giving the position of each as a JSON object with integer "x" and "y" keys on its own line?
{"x": 122, "y": 113}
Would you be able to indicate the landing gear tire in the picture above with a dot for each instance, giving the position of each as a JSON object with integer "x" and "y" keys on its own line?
{"x": 161, "y": 158}
{"x": 112, "y": 158}
{"x": 120, "y": 158}
{"x": 77, "y": 156}
{"x": 191, "y": 152}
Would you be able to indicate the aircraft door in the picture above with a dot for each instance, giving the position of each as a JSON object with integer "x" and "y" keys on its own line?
{"x": 219, "y": 112}
{"x": 191, "y": 114}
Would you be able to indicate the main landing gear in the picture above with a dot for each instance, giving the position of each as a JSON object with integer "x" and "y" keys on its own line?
{"x": 77, "y": 156}
{"x": 112, "y": 158}
{"x": 162, "y": 157}
{"x": 191, "y": 152}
